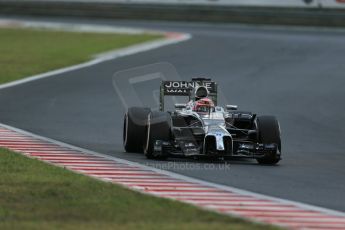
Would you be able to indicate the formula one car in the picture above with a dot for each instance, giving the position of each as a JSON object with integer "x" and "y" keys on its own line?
{"x": 200, "y": 127}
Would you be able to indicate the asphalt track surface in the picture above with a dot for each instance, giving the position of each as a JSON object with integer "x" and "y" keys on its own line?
{"x": 295, "y": 74}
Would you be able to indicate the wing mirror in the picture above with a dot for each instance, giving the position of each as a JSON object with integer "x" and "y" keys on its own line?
{"x": 231, "y": 107}
{"x": 180, "y": 106}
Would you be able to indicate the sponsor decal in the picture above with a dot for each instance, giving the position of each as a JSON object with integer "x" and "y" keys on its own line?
{"x": 184, "y": 87}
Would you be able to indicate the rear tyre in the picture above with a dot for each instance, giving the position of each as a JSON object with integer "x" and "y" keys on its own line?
{"x": 268, "y": 133}
{"x": 158, "y": 128}
{"x": 134, "y": 129}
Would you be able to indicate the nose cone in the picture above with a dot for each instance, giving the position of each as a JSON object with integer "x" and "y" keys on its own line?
{"x": 215, "y": 136}
{"x": 220, "y": 142}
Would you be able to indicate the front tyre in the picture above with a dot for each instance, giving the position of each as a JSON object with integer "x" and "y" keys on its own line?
{"x": 134, "y": 129}
{"x": 268, "y": 133}
{"x": 158, "y": 128}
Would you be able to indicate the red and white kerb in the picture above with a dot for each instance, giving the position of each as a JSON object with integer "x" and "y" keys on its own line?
{"x": 153, "y": 182}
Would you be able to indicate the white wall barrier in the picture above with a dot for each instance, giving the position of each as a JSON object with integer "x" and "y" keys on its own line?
{"x": 332, "y": 3}
{"x": 249, "y": 3}
{"x": 288, "y": 12}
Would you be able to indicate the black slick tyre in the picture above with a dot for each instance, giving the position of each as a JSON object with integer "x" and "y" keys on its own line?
{"x": 158, "y": 128}
{"x": 268, "y": 133}
{"x": 134, "y": 129}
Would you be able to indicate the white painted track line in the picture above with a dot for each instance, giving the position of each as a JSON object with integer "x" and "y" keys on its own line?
{"x": 168, "y": 39}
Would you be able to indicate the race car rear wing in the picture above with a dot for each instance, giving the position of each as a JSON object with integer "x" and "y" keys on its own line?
{"x": 186, "y": 88}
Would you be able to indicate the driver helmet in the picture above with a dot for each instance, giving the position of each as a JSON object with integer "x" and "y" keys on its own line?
{"x": 201, "y": 92}
{"x": 203, "y": 105}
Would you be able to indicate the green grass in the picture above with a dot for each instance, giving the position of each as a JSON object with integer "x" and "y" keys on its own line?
{"x": 35, "y": 195}
{"x": 25, "y": 52}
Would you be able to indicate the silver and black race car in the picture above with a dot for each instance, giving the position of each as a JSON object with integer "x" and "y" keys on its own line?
{"x": 200, "y": 127}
